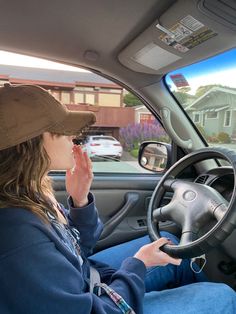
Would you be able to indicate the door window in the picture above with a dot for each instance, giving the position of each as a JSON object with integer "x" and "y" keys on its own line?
{"x": 123, "y": 122}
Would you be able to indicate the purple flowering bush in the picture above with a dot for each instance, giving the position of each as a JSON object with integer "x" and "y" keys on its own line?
{"x": 134, "y": 134}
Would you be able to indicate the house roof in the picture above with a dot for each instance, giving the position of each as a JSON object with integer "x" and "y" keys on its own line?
{"x": 57, "y": 77}
{"x": 139, "y": 107}
{"x": 216, "y": 108}
{"x": 212, "y": 90}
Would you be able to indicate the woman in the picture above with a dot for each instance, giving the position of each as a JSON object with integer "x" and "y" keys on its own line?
{"x": 44, "y": 248}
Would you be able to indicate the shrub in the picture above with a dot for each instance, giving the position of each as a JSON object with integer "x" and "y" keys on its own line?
{"x": 224, "y": 137}
{"x": 134, "y": 152}
{"x": 212, "y": 139}
{"x": 134, "y": 134}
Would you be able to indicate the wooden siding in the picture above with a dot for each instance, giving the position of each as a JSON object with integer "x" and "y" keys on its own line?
{"x": 108, "y": 116}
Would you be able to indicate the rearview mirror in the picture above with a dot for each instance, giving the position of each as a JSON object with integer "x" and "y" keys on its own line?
{"x": 154, "y": 156}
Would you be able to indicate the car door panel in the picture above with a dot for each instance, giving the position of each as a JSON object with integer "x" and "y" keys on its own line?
{"x": 122, "y": 202}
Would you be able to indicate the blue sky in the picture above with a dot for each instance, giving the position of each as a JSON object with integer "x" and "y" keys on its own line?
{"x": 220, "y": 69}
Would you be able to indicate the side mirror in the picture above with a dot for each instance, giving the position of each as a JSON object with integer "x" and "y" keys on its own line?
{"x": 154, "y": 156}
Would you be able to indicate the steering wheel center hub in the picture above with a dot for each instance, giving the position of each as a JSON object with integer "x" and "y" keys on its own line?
{"x": 189, "y": 195}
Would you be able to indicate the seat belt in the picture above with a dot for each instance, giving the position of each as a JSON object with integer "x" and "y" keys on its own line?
{"x": 95, "y": 282}
{"x": 94, "y": 279}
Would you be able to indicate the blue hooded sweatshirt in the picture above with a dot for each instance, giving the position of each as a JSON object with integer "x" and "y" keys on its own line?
{"x": 41, "y": 274}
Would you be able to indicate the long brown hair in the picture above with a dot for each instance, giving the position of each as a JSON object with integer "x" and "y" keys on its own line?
{"x": 23, "y": 177}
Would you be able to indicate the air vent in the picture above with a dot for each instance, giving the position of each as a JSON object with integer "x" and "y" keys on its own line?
{"x": 223, "y": 11}
{"x": 202, "y": 179}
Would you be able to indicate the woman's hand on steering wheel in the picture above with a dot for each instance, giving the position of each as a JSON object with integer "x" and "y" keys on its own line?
{"x": 151, "y": 255}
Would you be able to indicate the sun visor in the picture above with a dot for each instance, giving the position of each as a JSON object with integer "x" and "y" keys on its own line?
{"x": 175, "y": 39}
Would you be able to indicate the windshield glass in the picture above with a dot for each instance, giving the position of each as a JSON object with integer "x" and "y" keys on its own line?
{"x": 207, "y": 92}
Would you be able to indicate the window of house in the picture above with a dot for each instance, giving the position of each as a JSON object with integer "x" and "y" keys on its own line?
{"x": 146, "y": 118}
{"x": 78, "y": 98}
{"x": 65, "y": 97}
{"x": 196, "y": 118}
{"x": 212, "y": 115}
{"x": 90, "y": 99}
{"x": 227, "y": 120}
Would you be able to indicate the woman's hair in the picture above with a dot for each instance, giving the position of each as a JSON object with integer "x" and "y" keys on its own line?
{"x": 23, "y": 177}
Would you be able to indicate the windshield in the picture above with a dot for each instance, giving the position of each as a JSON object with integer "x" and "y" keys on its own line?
{"x": 207, "y": 92}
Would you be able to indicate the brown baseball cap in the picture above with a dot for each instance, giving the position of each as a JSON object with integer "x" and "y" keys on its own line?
{"x": 27, "y": 111}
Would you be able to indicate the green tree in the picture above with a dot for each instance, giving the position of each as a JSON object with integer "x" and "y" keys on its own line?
{"x": 183, "y": 97}
{"x": 130, "y": 100}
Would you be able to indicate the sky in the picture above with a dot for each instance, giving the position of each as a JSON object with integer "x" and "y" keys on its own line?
{"x": 9, "y": 58}
{"x": 220, "y": 69}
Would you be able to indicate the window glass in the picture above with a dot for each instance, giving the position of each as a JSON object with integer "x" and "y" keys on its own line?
{"x": 212, "y": 115}
{"x": 227, "y": 118}
{"x": 196, "y": 117}
{"x": 90, "y": 99}
{"x": 65, "y": 97}
{"x": 78, "y": 98}
{"x": 207, "y": 92}
{"x": 113, "y": 142}
{"x": 123, "y": 122}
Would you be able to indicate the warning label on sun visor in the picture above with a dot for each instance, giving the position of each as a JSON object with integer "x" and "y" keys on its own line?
{"x": 186, "y": 34}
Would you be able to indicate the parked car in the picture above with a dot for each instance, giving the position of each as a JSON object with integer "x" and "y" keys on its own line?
{"x": 178, "y": 58}
{"x": 103, "y": 146}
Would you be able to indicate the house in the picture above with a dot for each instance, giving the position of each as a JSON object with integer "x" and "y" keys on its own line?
{"x": 143, "y": 115}
{"x": 78, "y": 91}
{"x": 215, "y": 111}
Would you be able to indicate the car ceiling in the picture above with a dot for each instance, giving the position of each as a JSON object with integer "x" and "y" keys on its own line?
{"x": 104, "y": 35}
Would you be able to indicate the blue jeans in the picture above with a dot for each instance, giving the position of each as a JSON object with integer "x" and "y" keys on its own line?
{"x": 174, "y": 288}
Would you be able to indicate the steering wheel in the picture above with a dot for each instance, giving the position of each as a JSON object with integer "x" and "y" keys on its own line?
{"x": 193, "y": 207}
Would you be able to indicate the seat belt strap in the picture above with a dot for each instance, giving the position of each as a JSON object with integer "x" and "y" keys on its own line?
{"x": 94, "y": 280}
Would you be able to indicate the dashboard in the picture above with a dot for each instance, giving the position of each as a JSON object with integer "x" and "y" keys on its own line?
{"x": 222, "y": 180}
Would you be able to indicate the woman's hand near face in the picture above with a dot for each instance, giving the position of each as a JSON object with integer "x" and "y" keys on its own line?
{"x": 151, "y": 255}
{"x": 79, "y": 179}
